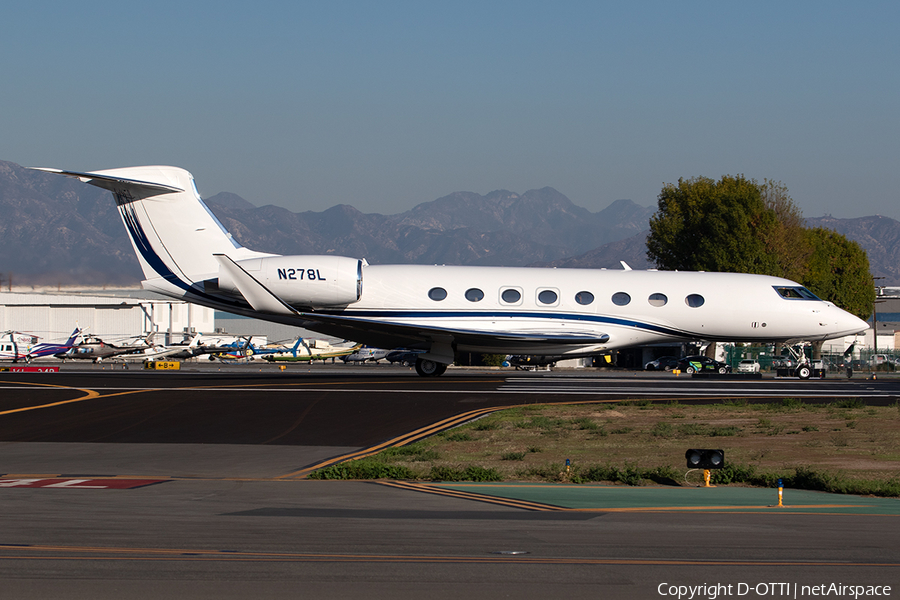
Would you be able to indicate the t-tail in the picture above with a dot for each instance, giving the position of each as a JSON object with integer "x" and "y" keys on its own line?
{"x": 174, "y": 234}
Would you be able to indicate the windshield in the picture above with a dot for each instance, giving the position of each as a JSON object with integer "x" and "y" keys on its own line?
{"x": 796, "y": 293}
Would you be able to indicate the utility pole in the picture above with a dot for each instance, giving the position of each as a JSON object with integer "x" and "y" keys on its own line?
{"x": 878, "y": 292}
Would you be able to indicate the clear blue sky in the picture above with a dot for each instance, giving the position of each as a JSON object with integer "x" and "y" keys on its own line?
{"x": 384, "y": 105}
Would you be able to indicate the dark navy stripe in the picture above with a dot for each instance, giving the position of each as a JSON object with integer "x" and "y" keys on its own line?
{"x": 405, "y": 314}
{"x": 142, "y": 243}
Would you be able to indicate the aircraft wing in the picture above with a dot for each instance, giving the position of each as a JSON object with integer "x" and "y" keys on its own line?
{"x": 390, "y": 334}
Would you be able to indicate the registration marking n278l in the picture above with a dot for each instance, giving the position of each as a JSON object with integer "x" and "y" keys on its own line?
{"x": 298, "y": 274}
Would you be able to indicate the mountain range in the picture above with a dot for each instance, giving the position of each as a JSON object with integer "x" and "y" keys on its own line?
{"x": 56, "y": 230}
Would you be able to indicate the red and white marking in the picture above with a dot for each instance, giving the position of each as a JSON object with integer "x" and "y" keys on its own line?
{"x": 79, "y": 484}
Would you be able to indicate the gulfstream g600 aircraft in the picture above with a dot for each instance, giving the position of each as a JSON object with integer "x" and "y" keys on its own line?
{"x": 186, "y": 253}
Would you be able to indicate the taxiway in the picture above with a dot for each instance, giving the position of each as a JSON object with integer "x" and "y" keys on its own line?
{"x": 220, "y": 508}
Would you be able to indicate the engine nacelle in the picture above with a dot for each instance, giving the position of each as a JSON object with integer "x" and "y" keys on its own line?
{"x": 304, "y": 281}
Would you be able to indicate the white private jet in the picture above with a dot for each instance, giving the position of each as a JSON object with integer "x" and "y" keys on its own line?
{"x": 186, "y": 253}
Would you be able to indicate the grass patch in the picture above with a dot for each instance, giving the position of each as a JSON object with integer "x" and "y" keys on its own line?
{"x": 668, "y": 430}
{"x": 628, "y": 475}
{"x": 806, "y": 478}
{"x": 791, "y": 403}
{"x": 736, "y": 402}
{"x": 363, "y": 469}
{"x": 470, "y": 473}
{"x": 586, "y": 423}
{"x": 541, "y": 422}
{"x": 512, "y": 456}
{"x": 849, "y": 403}
{"x": 663, "y": 430}
{"x": 645, "y": 403}
{"x": 844, "y": 446}
{"x": 417, "y": 452}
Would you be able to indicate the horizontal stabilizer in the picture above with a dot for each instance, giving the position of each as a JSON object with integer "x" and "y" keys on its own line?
{"x": 109, "y": 182}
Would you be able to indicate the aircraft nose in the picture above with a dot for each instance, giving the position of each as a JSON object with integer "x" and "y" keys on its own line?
{"x": 847, "y": 324}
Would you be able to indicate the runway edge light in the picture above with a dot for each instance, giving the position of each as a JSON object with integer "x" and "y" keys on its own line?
{"x": 705, "y": 459}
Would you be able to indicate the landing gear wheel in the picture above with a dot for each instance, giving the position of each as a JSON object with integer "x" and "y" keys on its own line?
{"x": 429, "y": 368}
{"x": 803, "y": 372}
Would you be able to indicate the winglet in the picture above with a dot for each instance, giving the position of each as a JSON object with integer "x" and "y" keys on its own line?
{"x": 625, "y": 265}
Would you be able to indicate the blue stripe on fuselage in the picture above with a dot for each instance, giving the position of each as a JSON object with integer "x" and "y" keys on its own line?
{"x": 145, "y": 248}
{"x": 361, "y": 315}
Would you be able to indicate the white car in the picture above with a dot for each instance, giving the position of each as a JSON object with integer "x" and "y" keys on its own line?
{"x": 748, "y": 365}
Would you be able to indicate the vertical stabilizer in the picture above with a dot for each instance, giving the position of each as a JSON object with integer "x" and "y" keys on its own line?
{"x": 173, "y": 232}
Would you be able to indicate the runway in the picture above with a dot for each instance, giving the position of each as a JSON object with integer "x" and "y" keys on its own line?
{"x": 219, "y": 506}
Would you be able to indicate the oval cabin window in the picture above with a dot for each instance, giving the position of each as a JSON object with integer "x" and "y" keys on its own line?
{"x": 657, "y": 299}
{"x": 511, "y": 296}
{"x": 437, "y": 294}
{"x": 584, "y": 298}
{"x": 621, "y": 299}
{"x": 548, "y": 297}
{"x": 694, "y": 300}
{"x": 474, "y": 295}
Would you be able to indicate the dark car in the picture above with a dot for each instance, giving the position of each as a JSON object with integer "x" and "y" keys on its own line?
{"x": 702, "y": 364}
{"x": 663, "y": 363}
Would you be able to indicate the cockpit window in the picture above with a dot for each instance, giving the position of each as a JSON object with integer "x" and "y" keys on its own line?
{"x": 796, "y": 293}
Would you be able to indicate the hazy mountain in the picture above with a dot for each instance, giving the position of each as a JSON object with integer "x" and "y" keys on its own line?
{"x": 58, "y": 230}
{"x": 500, "y": 228}
{"x": 231, "y": 201}
{"x": 632, "y": 251}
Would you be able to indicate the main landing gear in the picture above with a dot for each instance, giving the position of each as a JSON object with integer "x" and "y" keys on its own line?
{"x": 429, "y": 368}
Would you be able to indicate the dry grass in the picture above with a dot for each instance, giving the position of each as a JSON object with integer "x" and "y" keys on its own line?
{"x": 529, "y": 443}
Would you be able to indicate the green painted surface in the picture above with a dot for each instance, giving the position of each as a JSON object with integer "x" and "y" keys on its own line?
{"x": 682, "y": 499}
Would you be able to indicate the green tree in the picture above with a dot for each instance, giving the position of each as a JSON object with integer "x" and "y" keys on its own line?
{"x": 787, "y": 240}
{"x": 706, "y": 225}
{"x": 737, "y": 225}
{"x": 838, "y": 270}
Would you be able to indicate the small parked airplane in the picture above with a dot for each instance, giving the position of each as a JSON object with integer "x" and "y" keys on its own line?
{"x": 161, "y": 352}
{"x": 365, "y": 354}
{"x": 311, "y": 350}
{"x": 186, "y": 253}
